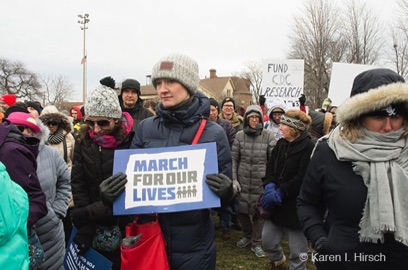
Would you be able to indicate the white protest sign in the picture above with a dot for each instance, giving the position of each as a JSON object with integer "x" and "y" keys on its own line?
{"x": 283, "y": 79}
{"x": 341, "y": 81}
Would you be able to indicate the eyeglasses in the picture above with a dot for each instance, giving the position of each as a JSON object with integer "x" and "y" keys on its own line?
{"x": 228, "y": 106}
{"x": 101, "y": 123}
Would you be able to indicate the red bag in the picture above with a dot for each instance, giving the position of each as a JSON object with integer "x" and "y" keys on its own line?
{"x": 149, "y": 252}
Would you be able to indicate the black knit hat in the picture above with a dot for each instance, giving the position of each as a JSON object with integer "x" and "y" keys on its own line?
{"x": 228, "y": 99}
{"x": 130, "y": 84}
{"x": 215, "y": 104}
{"x": 374, "y": 78}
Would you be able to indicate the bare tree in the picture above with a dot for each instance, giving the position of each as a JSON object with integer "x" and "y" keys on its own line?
{"x": 318, "y": 41}
{"x": 253, "y": 73}
{"x": 363, "y": 33}
{"x": 56, "y": 90}
{"x": 16, "y": 79}
{"x": 399, "y": 50}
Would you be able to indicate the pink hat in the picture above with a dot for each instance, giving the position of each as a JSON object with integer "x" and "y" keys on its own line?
{"x": 9, "y": 99}
{"x": 24, "y": 119}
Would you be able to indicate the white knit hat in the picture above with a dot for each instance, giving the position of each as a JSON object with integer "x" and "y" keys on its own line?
{"x": 103, "y": 102}
{"x": 180, "y": 68}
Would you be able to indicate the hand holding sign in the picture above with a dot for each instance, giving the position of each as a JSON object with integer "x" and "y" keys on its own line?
{"x": 111, "y": 187}
{"x": 221, "y": 185}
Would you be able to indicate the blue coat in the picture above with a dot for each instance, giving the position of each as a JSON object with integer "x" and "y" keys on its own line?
{"x": 13, "y": 224}
{"x": 189, "y": 235}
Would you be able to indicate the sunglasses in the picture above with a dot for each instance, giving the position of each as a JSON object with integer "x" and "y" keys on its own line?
{"x": 53, "y": 123}
{"x": 100, "y": 123}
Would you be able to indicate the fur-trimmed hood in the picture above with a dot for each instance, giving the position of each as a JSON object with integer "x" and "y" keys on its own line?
{"x": 372, "y": 100}
{"x": 372, "y": 90}
{"x": 65, "y": 123}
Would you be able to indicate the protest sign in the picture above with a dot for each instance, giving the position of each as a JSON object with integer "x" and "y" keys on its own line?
{"x": 283, "y": 79}
{"x": 169, "y": 179}
{"x": 92, "y": 260}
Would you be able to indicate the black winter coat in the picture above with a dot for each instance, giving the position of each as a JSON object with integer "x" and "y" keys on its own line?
{"x": 332, "y": 185}
{"x": 189, "y": 235}
{"x": 92, "y": 165}
{"x": 286, "y": 168}
{"x": 138, "y": 112}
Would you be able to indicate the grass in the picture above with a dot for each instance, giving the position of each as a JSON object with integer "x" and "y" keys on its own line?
{"x": 230, "y": 257}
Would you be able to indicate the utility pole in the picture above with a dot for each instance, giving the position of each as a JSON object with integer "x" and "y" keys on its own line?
{"x": 83, "y": 21}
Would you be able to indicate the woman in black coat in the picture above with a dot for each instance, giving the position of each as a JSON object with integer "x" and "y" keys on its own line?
{"x": 352, "y": 205}
{"x": 284, "y": 175}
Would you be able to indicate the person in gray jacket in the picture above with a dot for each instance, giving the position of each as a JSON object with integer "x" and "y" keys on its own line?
{"x": 54, "y": 178}
{"x": 250, "y": 153}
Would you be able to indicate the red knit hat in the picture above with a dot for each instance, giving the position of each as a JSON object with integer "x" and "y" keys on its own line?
{"x": 24, "y": 119}
{"x": 9, "y": 99}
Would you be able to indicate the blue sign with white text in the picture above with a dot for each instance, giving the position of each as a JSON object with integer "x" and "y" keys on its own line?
{"x": 169, "y": 179}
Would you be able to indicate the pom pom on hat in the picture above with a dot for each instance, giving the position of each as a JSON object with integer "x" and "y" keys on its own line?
{"x": 180, "y": 68}
{"x": 103, "y": 102}
{"x": 24, "y": 119}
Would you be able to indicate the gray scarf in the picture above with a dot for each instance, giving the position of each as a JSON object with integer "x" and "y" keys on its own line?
{"x": 382, "y": 161}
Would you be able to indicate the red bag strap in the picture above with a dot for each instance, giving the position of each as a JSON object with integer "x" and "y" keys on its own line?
{"x": 199, "y": 131}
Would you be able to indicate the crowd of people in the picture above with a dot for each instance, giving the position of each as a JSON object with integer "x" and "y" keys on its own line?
{"x": 333, "y": 179}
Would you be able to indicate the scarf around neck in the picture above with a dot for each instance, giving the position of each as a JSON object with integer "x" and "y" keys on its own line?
{"x": 382, "y": 161}
{"x": 57, "y": 137}
{"x": 109, "y": 141}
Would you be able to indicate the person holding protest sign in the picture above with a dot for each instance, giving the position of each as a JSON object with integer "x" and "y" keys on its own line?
{"x": 189, "y": 235}
{"x": 108, "y": 129}
{"x": 353, "y": 201}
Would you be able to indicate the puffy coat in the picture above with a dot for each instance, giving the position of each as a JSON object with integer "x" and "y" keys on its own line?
{"x": 250, "y": 153}
{"x": 189, "y": 235}
{"x": 92, "y": 165}
{"x": 55, "y": 180}
{"x": 229, "y": 129}
{"x": 67, "y": 151}
{"x": 286, "y": 168}
{"x": 13, "y": 224}
{"x": 333, "y": 185}
{"x": 18, "y": 153}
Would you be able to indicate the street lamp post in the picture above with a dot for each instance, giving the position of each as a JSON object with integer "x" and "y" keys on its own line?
{"x": 83, "y": 21}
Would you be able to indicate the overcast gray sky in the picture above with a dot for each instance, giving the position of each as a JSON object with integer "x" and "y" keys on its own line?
{"x": 126, "y": 37}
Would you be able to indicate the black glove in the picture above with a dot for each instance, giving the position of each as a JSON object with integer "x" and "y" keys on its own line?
{"x": 221, "y": 185}
{"x": 84, "y": 241}
{"x": 320, "y": 242}
{"x": 111, "y": 187}
{"x": 79, "y": 216}
{"x": 302, "y": 100}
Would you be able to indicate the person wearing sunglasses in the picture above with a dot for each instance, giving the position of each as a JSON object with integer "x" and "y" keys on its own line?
{"x": 61, "y": 129}
{"x": 107, "y": 129}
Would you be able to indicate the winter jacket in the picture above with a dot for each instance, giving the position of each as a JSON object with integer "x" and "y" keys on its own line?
{"x": 55, "y": 180}
{"x": 286, "y": 168}
{"x": 138, "y": 112}
{"x": 189, "y": 235}
{"x": 250, "y": 153}
{"x": 13, "y": 224}
{"x": 236, "y": 121}
{"x": 332, "y": 187}
{"x": 321, "y": 124}
{"x": 18, "y": 153}
{"x": 229, "y": 129}
{"x": 66, "y": 150}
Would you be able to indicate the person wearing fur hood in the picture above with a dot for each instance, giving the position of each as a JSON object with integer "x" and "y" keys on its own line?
{"x": 358, "y": 175}
{"x": 55, "y": 181}
{"x": 61, "y": 129}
